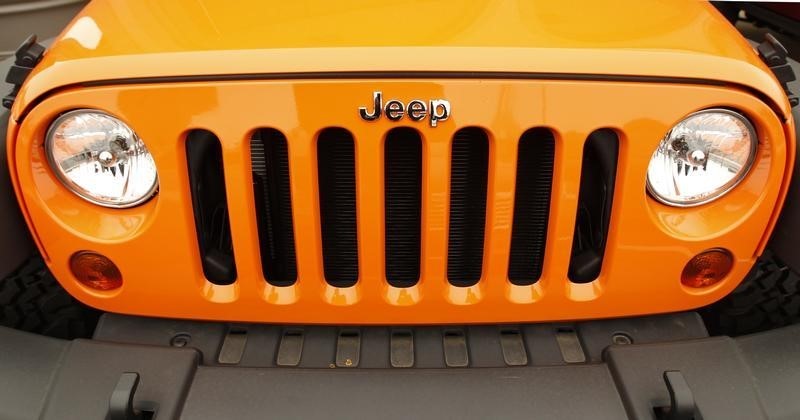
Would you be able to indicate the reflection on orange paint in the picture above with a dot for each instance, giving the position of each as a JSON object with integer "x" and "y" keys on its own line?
{"x": 403, "y": 296}
{"x": 219, "y": 293}
{"x": 341, "y": 296}
{"x": 285, "y": 295}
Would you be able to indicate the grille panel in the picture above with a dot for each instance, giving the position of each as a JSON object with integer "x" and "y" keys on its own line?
{"x": 403, "y": 205}
{"x": 270, "y": 165}
{"x": 234, "y": 111}
{"x": 468, "y": 182}
{"x": 531, "y": 205}
{"x": 337, "y": 206}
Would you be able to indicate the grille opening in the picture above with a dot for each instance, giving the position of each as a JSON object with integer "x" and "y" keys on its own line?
{"x": 207, "y": 185}
{"x": 468, "y": 182}
{"x": 270, "y": 166}
{"x": 349, "y": 333}
{"x": 403, "y": 205}
{"x": 510, "y": 332}
{"x": 598, "y": 175}
{"x": 337, "y": 202}
{"x": 454, "y": 333}
{"x": 534, "y": 180}
{"x": 402, "y": 333}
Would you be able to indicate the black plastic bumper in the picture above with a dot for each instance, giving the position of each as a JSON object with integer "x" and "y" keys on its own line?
{"x": 750, "y": 377}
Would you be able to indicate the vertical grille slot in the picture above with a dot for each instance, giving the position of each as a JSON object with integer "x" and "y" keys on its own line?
{"x": 598, "y": 175}
{"x": 270, "y": 165}
{"x": 403, "y": 204}
{"x": 207, "y": 183}
{"x": 337, "y": 202}
{"x": 531, "y": 205}
{"x": 468, "y": 182}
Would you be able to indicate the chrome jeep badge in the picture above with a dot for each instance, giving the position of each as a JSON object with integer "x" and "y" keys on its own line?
{"x": 436, "y": 110}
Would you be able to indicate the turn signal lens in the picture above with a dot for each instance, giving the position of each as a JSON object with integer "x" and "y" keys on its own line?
{"x": 707, "y": 268}
{"x": 95, "y": 271}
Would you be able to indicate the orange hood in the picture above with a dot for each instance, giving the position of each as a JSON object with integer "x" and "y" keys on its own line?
{"x": 125, "y": 41}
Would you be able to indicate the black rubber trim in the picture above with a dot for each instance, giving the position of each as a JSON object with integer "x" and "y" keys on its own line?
{"x": 437, "y": 75}
{"x": 404, "y": 75}
{"x": 409, "y": 75}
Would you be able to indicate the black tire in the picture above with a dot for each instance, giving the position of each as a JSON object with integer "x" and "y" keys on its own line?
{"x": 32, "y": 300}
{"x": 768, "y": 297}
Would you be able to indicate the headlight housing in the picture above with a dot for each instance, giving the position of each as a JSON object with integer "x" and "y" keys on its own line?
{"x": 702, "y": 158}
{"x": 101, "y": 159}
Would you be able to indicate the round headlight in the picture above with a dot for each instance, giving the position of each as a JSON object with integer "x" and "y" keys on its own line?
{"x": 701, "y": 158}
{"x": 101, "y": 159}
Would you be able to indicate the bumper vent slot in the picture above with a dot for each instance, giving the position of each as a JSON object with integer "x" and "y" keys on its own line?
{"x": 468, "y": 182}
{"x": 598, "y": 175}
{"x": 207, "y": 181}
{"x": 337, "y": 200}
{"x": 403, "y": 204}
{"x": 531, "y": 205}
{"x": 270, "y": 164}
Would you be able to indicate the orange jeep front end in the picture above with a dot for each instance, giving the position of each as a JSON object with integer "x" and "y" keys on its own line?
{"x": 468, "y": 241}
{"x": 415, "y": 164}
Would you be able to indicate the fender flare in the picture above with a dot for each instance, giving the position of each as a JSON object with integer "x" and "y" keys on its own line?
{"x": 784, "y": 242}
{"x": 16, "y": 245}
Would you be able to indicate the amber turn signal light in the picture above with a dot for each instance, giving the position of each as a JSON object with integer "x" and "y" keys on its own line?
{"x": 95, "y": 271}
{"x": 707, "y": 268}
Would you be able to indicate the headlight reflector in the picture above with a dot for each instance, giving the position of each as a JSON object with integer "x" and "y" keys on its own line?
{"x": 701, "y": 158}
{"x": 101, "y": 159}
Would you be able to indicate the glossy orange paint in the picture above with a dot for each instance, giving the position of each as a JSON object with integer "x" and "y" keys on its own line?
{"x": 154, "y": 244}
{"x": 123, "y": 45}
{"x": 118, "y": 39}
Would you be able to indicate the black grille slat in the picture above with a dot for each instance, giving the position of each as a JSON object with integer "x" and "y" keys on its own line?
{"x": 598, "y": 176}
{"x": 534, "y": 180}
{"x": 468, "y": 183}
{"x": 270, "y": 167}
{"x": 209, "y": 201}
{"x": 403, "y": 204}
{"x": 337, "y": 200}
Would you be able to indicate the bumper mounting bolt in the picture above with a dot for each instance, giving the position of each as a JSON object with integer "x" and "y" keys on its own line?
{"x": 180, "y": 340}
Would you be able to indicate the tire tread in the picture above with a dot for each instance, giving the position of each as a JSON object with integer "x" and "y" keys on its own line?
{"x": 32, "y": 300}
{"x": 767, "y": 298}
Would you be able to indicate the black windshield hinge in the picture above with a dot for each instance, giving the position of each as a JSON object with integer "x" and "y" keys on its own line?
{"x": 682, "y": 405}
{"x": 774, "y": 54}
{"x": 120, "y": 405}
{"x": 27, "y": 56}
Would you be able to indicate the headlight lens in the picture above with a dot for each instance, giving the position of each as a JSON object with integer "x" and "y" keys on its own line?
{"x": 702, "y": 158}
{"x": 101, "y": 159}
